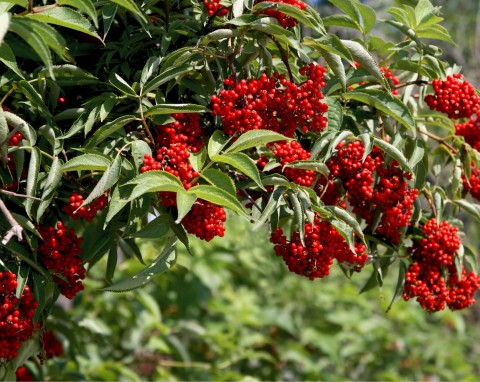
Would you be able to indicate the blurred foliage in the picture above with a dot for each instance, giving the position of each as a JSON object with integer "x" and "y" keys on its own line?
{"x": 232, "y": 312}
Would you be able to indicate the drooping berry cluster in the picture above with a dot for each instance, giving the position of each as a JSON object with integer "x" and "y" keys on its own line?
{"x": 87, "y": 212}
{"x": 432, "y": 278}
{"x": 273, "y": 103}
{"x": 473, "y": 185}
{"x": 394, "y": 80}
{"x": 205, "y": 220}
{"x": 284, "y": 20}
{"x": 60, "y": 252}
{"x": 23, "y": 375}
{"x": 215, "y": 8}
{"x": 323, "y": 243}
{"x": 186, "y": 129}
{"x": 288, "y": 152}
{"x": 470, "y": 130}
{"x": 373, "y": 187}
{"x": 454, "y": 96}
{"x": 16, "y": 316}
{"x": 51, "y": 345}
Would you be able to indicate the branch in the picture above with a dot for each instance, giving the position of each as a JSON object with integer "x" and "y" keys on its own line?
{"x": 416, "y": 82}
{"x": 11, "y": 193}
{"x": 283, "y": 56}
{"x": 440, "y": 140}
{"x": 16, "y": 229}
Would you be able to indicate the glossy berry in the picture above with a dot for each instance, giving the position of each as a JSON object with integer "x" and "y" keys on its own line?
{"x": 205, "y": 220}
{"x": 470, "y": 130}
{"x": 186, "y": 129}
{"x": 284, "y": 20}
{"x": 215, "y": 8}
{"x": 87, "y": 212}
{"x": 23, "y": 374}
{"x": 51, "y": 345}
{"x": 16, "y": 316}
{"x": 392, "y": 78}
{"x": 473, "y": 185}
{"x": 455, "y": 97}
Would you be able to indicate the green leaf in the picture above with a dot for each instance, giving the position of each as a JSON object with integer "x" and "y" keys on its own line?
{"x": 365, "y": 59}
{"x": 71, "y": 75}
{"x": 154, "y": 181}
{"x": 184, "y": 205}
{"x": 472, "y": 208}
{"x": 312, "y": 165}
{"x": 342, "y": 214}
{"x": 34, "y": 97}
{"x": 218, "y": 196}
{"x": 111, "y": 263}
{"x": 436, "y": 32}
{"x": 32, "y": 177}
{"x": 161, "y": 264}
{"x": 139, "y": 150}
{"x": 166, "y": 109}
{"x": 53, "y": 180}
{"x": 120, "y": 197}
{"x": 150, "y": 67}
{"x": 334, "y": 114}
{"x": 65, "y": 17}
{"x": 386, "y": 103}
{"x": 342, "y": 21}
{"x": 393, "y": 152}
{"x": 273, "y": 204}
{"x": 92, "y": 162}
{"x": 155, "y": 229}
{"x": 369, "y": 17}
{"x": 418, "y": 153}
{"x": 109, "y": 179}
{"x": 86, "y": 6}
{"x": 132, "y": 7}
{"x": 217, "y": 142}
{"x": 255, "y": 138}
{"x": 169, "y": 74}
{"x": 122, "y": 85}
{"x": 198, "y": 159}
{"x": 219, "y": 179}
{"x": 108, "y": 129}
{"x": 28, "y": 131}
{"x": 4, "y": 131}
{"x": 348, "y": 6}
{"x": 402, "y": 269}
{"x": 241, "y": 162}
{"x": 9, "y": 60}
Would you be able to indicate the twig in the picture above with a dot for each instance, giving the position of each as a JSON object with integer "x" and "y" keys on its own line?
{"x": 250, "y": 199}
{"x": 11, "y": 193}
{"x": 16, "y": 229}
{"x": 144, "y": 122}
{"x": 416, "y": 82}
{"x": 283, "y": 56}
{"x": 440, "y": 140}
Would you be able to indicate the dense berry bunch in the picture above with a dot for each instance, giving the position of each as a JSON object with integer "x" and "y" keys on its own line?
{"x": 323, "y": 243}
{"x": 205, "y": 220}
{"x": 371, "y": 187}
{"x": 60, "y": 252}
{"x": 186, "y": 129}
{"x": 215, "y": 8}
{"x": 455, "y": 97}
{"x": 394, "y": 80}
{"x": 434, "y": 258}
{"x": 16, "y": 316}
{"x": 88, "y": 212}
{"x": 284, "y": 20}
{"x": 23, "y": 375}
{"x": 473, "y": 185}
{"x": 273, "y": 103}
{"x": 470, "y": 130}
{"x": 51, "y": 345}
{"x": 288, "y": 152}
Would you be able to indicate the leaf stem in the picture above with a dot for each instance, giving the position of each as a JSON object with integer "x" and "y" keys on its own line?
{"x": 440, "y": 140}
{"x": 283, "y": 56}
{"x": 16, "y": 229}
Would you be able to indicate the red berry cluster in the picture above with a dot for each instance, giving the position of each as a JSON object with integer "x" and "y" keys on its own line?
{"x": 51, "y": 345}
{"x": 455, "y": 97}
{"x": 289, "y": 152}
{"x": 23, "y": 375}
{"x": 273, "y": 103}
{"x": 60, "y": 252}
{"x": 373, "y": 186}
{"x": 87, "y": 212}
{"x": 323, "y": 243}
{"x": 215, "y": 8}
{"x": 205, "y": 220}
{"x": 470, "y": 130}
{"x": 394, "y": 80}
{"x": 16, "y": 316}
{"x": 473, "y": 186}
{"x": 185, "y": 129}
{"x": 284, "y": 20}
{"x": 433, "y": 259}
{"x": 15, "y": 139}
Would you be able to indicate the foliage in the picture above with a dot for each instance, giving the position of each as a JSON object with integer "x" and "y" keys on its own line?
{"x": 125, "y": 123}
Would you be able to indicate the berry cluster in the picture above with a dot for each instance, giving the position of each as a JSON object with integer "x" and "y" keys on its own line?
{"x": 88, "y": 212}
{"x": 51, "y": 345}
{"x": 323, "y": 243}
{"x": 433, "y": 259}
{"x": 289, "y": 152}
{"x": 455, "y": 97}
{"x": 15, "y": 139}
{"x": 394, "y": 80}
{"x": 284, "y": 20}
{"x": 60, "y": 252}
{"x": 373, "y": 186}
{"x": 186, "y": 129}
{"x": 16, "y": 316}
{"x": 473, "y": 185}
{"x": 273, "y": 103}
{"x": 23, "y": 375}
{"x": 470, "y": 130}
{"x": 205, "y": 220}
{"x": 215, "y": 8}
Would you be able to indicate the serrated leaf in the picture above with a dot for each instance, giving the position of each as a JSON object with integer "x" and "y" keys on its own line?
{"x": 184, "y": 205}
{"x": 53, "y": 180}
{"x": 155, "y": 229}
{"x": 393, "y": 152}
{"x": 4, "y": 131}
{"x": 28, "y": 131}
{"x": 241, "y": 162}
{"x": 386, "y": 103}
{"x": 312, "y": 165}
{"x": 32, "y": 177}
{"x": 34, "y": 97}
{"x": 334, "y": 114}
{"x": 165, "y": 76}
{"x": 122, "y": 85}
{"x": 471, "y": 208}
{"x": 237, "y": 8}
{"x": 219, "y": 179}
{"x": 67, "y": 18}
{"x": 4, "y": 23}
{"x": 418, "y": 153}
{"x": 92, "y": 162}
{"x": 150, "y": 67}
{"x": 86, "y": 6}
{"x": 220, "y": 34}
{"x": 217, "y": 142}
{"x": 120, "y": 197}
{"x": 218, "y": 196}
{"x": 108, "y": 129}
{"x": 198, "y": 159}
{"x": 335, "y": 63}
{"x": 139, "y": 150}
{"x": 348, "y": 6}
{"x": 132, "y": 7}
{"x": 402, "y": 269}
{"x": 342, "y": 214}
{"x": 154, "y": 181}
{"x": 111, "y": 263}
{"x": 255, "y": 138}
{"x": 342, "y": 21}
{"x": 367, "y": 145}
{"x": 271, "y": 207}
{"x": 369, "y": 17}
{"x": 166, "y": 109}
{"x": 162, "y": 263}
{"x": 9, "y": 59}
